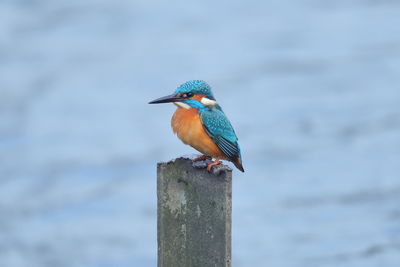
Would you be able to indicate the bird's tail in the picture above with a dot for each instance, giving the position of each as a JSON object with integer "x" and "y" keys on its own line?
{"x": 238, "y": 164}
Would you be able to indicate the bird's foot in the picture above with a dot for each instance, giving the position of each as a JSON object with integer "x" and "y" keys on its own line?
{"x": 212, "y": 164}
{"x": 201, "y": 158}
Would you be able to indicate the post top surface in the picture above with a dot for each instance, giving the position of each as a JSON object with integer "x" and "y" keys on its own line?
{"x": 199, "y": 165}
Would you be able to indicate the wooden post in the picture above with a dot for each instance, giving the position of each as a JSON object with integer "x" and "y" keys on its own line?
{"x": 194, "y": 215}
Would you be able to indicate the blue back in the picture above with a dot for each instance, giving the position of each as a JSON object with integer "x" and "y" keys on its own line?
{"x": 221, "y": 131}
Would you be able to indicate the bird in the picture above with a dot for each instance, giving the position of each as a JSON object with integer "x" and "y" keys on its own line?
{"x": 200, "y": 122}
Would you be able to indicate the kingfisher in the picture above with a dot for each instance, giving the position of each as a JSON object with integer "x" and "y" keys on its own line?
{"x": 200, "y": 122}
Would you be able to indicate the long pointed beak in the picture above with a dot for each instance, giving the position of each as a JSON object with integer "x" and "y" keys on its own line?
{"x": 167, "y": 99}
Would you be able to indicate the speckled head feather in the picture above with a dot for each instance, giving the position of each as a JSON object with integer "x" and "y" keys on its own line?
{"x": 196, "y": 87}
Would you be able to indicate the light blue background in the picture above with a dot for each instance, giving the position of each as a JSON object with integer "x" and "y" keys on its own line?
{"x": 311, "y": 87}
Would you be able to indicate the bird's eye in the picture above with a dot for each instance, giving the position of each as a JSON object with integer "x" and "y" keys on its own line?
{"x": 186, "y": 95}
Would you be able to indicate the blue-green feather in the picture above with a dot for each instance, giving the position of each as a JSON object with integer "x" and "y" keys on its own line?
{"x": 221, "y": 132}
{"x": 196, "y": 104}
{"x": 196, "y": 87}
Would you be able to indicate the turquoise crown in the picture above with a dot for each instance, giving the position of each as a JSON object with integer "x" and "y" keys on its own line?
{"x": 196, "y": 87}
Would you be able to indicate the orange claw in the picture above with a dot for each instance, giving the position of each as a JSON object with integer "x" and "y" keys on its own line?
{"x": 201, "y": 158}
{"x": 212, "y": 164}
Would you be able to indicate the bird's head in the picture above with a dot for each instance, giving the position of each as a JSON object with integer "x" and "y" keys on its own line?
{"x": 191, "y": 94}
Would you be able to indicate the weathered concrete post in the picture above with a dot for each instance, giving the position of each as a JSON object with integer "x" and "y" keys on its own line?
{"x": 194, "y": 215}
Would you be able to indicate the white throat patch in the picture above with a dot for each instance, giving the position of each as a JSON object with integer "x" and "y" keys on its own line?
{"x": 208, "y": 102}
{"x": 182, "y": 105}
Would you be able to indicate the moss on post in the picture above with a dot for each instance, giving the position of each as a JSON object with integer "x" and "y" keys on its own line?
{"x": 194, "y": 215}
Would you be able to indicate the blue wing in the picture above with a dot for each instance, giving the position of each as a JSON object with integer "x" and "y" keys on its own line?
{"x": 221, "y": 131}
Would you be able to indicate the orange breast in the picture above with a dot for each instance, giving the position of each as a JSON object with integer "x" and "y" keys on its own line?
{"x": 187, "y": 125}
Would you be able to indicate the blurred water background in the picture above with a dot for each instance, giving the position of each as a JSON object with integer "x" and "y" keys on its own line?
{"x": 312, "y": 88}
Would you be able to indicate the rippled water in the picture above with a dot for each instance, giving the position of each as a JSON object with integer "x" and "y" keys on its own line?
{"x": 311, "y": 87}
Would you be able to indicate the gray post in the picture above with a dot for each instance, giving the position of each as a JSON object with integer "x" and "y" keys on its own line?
{"x": 194, "y": 215}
